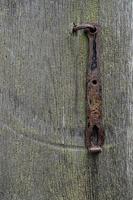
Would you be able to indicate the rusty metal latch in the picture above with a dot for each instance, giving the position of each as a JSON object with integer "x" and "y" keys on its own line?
{"x": 94, "y": 135}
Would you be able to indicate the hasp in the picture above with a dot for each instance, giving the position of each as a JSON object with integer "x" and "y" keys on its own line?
{"x": 94, "y": 134}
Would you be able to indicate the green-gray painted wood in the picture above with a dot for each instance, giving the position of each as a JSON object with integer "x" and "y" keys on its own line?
{"x": 42, "y": 101}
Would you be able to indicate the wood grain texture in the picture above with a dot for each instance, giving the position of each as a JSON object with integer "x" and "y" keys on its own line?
{"x": 42, "y": 101}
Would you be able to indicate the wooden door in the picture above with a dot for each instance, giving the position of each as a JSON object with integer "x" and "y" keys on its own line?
{"x": 42, "y": 101}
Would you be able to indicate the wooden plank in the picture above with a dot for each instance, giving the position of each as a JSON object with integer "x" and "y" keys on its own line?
{"x": 116, "y": 21}
{"x": 42, "y": 105}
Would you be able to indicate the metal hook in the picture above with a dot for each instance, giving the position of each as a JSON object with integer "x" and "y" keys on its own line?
{"x": 91, "y": 28}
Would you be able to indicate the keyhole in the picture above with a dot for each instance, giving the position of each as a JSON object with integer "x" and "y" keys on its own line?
{"x": 95, "y": 135}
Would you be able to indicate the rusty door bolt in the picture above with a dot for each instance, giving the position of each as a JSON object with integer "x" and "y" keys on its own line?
{"x": 94, "y": 134}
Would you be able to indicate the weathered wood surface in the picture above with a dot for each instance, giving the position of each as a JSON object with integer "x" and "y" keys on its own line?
{"x": 42, "y": 101}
